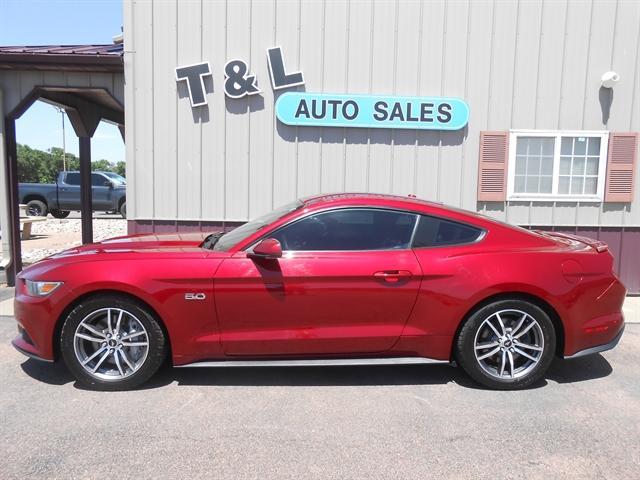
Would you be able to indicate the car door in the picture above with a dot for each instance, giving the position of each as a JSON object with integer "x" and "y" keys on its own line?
{"x": 69, "y": 191}
{"x": 346, "y": 283}
{"x": 101, "y": 193}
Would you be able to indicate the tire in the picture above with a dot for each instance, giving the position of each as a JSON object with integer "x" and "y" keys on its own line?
{"x": 123, "y": 209}
{"x": 503, "y": 362}
{"x": 117, "y": 366}
{"x": 60, "y": 213}
{"x": 36, "y": 208}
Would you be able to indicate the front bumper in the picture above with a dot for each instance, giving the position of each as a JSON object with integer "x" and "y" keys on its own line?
{"x": 19, "y": 345}
{"x": 598, "y": 348}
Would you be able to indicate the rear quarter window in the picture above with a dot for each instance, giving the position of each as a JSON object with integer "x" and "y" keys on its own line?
{"x": 436, "y": 232}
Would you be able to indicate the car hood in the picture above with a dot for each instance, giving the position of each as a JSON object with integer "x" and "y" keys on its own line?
{"x": 170, "y": 242}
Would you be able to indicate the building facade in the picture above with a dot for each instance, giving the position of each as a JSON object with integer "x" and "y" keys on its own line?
{"x": 552, "y": 90}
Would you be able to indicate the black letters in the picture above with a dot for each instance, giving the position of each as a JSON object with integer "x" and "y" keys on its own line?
{"x": 409, "y": 117}
{"x": 302, "y": 109}
{"x": 314, "y": 111}
{"x": 350, "y": 103}
{"x": 444, "y": 112}
{"x": 279, "y": 77}
{"x": 238, "y": 83}
{"x": 397, "y": 112}
{"x": 426, "y": 112}
{"x": 381, "y": 111}
{"x": 334, "y": 104}
{"x": 194, "y": 75}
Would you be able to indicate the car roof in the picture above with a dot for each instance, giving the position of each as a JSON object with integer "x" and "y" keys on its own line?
{"x": 403, "y": 202}
{"x": 364, "y": 198}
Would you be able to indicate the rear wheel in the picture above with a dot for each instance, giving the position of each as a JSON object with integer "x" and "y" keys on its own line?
{"x": 36, "y": 208}
{"x": 506, "y": 345}
{"x": 112, "y": 343}
{"x": 60, "y": 213}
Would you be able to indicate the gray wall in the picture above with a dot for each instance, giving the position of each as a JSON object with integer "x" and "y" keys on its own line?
{"x": 518, "y": 64}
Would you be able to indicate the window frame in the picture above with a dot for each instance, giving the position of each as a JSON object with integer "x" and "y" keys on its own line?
{"x": 270, "y": 233}
{"x": 554, "y": 195}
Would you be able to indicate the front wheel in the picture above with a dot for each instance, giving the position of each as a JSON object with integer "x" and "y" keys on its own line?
{"x": 36, "y": 208}
{"x": 506, "y": 345}
{"x": 123, "y": 209}
{"x": 112, "y": 343}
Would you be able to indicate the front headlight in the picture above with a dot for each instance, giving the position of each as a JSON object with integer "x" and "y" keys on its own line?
{"x": 40, "y": 289}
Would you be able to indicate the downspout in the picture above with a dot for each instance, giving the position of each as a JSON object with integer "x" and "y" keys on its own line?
{"x": 5, "y": 225}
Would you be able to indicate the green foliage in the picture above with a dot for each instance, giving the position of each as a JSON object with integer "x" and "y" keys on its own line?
{"x": 36, "y": 166}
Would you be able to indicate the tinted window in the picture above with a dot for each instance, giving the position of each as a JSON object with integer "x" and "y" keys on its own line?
{"x": 433, "y": 232}
{"x": 97, "y": 180}
{"x": 72, "y": 179}
{"x": 349, "y": 229}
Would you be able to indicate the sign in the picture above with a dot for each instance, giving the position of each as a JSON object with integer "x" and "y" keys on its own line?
{"x": 371, "y": 111}
{"x": 238, "y": 81}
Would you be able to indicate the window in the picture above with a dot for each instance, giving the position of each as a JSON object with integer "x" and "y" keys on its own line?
{"x": 435, "y": 232}
{"x": 72, "y": 179}
{"x": 97, "y": 180}
{"x": 349, "y": 229}
{"x": 557, "y": 165}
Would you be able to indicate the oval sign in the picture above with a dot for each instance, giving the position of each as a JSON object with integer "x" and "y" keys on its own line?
{"x": 371, "y": 111}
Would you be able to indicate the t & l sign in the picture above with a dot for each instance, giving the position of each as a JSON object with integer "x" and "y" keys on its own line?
{"x": 328, "y": 110}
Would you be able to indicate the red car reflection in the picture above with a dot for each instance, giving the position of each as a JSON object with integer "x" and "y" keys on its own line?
{"x": 333, "y": 279}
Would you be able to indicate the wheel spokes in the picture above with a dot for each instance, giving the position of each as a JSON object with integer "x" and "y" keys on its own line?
{"x": 111, "y": 343}
{"x": 502, "y": 355}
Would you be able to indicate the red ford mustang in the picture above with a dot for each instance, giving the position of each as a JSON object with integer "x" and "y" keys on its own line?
{"x": 334, "y": 279}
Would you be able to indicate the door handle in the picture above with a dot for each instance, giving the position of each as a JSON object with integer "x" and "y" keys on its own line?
{"x": 393, "y": 276}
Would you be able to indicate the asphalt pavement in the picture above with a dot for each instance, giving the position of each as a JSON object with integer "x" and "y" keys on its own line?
{"x": 391, "y": 422}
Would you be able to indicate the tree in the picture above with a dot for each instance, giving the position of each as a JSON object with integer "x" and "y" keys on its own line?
{"x": 36, "y": 166}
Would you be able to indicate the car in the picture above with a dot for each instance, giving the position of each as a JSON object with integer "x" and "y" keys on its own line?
{"x": 60, "y": 198}
{"x": 342, "y": 279}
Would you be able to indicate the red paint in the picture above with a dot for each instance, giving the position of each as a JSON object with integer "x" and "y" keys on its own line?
{"x": 397, "y": 302}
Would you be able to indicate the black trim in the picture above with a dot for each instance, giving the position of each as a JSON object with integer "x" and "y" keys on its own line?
{"x": 29, "y": 354}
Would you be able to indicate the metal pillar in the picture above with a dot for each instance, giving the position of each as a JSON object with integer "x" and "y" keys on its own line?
{"x": 85, "y": 189}
{"x": 14, "y": 211}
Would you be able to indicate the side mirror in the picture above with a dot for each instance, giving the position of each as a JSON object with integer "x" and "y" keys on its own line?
{"x": 267, "y": 249}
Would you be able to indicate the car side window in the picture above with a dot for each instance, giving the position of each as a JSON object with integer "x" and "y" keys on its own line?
{"x": 97, "y": 180}
{"x": 72, "y": 179}
{"x": 349, "y": 229}
{"x": 435, "y": 232}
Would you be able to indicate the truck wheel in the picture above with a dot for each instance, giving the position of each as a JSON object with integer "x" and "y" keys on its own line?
{"x": 123, "y": 209}
{"x": 36, "y": 208}
{"x": 60, "y": 213}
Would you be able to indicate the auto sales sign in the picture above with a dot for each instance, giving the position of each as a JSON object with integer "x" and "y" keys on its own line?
{"x": 328, "y": 110}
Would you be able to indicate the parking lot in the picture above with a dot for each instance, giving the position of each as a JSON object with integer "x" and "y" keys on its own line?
{"x": 339, "y": 422}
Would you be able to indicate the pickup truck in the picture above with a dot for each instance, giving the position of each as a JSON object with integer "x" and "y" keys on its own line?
{"x": 108, "y": 193}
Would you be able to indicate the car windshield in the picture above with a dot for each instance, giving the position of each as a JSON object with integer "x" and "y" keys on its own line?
{"x": 116, "y": 178}
{"x": 237, "y": 235}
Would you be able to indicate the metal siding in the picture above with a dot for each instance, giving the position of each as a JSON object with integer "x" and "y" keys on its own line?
{"x": 518, "y": 64}
{"x": 261, "y": 123}
{"x": 403, "y": 166}
{"x": 382, "y": 81}
{"x": 431, "y": 58}
{"x": 311, "y": 63}
{"x": 165, "y": 113}
{"x": 142, "y": 161}
{"x": 359, "y": 52}
{"x": 214, "y": 45}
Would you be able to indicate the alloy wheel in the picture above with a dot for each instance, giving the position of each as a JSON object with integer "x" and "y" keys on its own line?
{"x": 509, "y": 344}
{"x": 111, "y": 344}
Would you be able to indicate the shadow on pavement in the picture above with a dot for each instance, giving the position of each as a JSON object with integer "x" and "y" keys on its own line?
{"x": 568, "y": 371}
